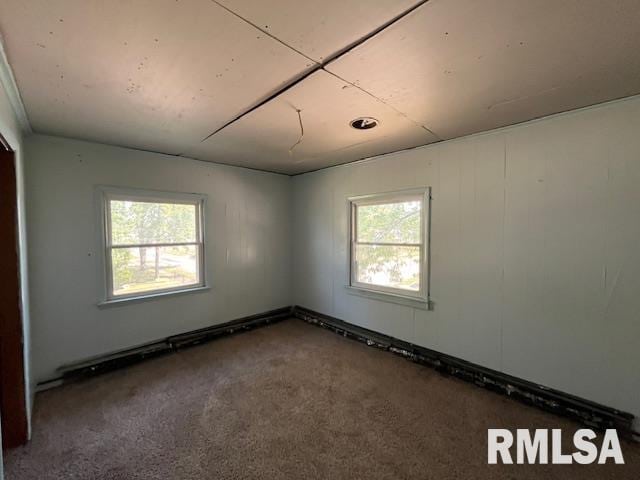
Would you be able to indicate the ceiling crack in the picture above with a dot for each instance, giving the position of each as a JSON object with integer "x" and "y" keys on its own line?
{"x": 301, "y": 132}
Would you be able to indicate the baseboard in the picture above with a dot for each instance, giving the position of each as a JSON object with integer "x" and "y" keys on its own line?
{"x": 589, "y": 413}
{"x": 560, "y": 403}
{"x": 116, "y": 360}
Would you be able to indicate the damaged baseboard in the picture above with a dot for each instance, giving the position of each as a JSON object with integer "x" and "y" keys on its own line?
{"x": 584, "y": 411}
{"x": 589, "y": 413}
{"x": 130, "y": 356}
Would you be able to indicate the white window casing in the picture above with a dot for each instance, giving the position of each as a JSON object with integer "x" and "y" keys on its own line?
{"x": 382, "y": 288}
{"x": 105, "y": 196}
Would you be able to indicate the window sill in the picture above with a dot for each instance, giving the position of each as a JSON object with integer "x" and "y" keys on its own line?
{"x": 150, "y": 296}
{"x": 406, "y": 300}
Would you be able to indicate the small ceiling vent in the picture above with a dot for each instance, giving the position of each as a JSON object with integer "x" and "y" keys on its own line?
{"x": 364, "y": 123}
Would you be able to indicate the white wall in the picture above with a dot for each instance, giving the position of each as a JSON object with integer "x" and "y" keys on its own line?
{"x": 535, "y": 245}
{"x": 11, "y": 130}
{"x": 247, "y": 251}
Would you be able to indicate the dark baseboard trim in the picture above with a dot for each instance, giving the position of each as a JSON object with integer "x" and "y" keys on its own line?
{"x": 123, "y": 358}
{"x": 560, "y": 403}
{"x": 589, "y": 413}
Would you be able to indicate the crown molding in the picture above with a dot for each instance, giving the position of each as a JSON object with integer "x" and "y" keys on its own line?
{"x": 8, "y": 81}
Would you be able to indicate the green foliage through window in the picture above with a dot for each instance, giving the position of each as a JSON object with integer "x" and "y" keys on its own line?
{"x": 146, "y": 222}
{"x": 388, "y": 244}
{"x": 389, "y": 223}
{"x": 154, "y": 245}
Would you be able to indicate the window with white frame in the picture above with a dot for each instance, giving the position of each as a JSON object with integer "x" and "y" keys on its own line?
{"x": 154, "y": 242}
{"x": 389, "y": 243}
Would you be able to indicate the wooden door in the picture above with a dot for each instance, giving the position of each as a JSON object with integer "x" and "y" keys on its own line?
{"x": 13, "y": 405}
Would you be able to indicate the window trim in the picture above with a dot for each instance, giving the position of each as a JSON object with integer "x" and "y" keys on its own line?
{"x": 106, "y": 193}
{"x": 421, "y": 298}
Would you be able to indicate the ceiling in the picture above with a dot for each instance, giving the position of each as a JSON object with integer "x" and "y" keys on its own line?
{"x": 273, "y": 85}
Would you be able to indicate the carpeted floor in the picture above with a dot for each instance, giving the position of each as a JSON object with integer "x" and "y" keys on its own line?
{"x": 287, "y": 401}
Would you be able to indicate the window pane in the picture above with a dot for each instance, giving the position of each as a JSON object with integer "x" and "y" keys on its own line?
{"x": 153, "y": 268}
{"x": 144, "y": 222}
{"x": 388, "y": 266}
{"x": 389, "y": 222}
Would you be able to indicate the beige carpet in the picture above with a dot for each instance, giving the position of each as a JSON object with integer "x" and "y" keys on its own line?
{"x": 286, "y": 401}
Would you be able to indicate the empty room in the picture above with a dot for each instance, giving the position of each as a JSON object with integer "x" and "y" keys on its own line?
{"x": 256, "y": 239}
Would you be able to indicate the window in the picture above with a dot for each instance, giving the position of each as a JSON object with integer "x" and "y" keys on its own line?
{"x": 389, "y": 243}
{"x": 154, "y": 242}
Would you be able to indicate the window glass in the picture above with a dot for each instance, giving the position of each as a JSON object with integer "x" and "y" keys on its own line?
{"x": 387, "y": 243}
{"x": 134, "y": 222}
{"x": 153, "y": 244}
{"x": 144, "y": 269}
{"x": 389, "y": 265}
{"x": 389, "y": 222}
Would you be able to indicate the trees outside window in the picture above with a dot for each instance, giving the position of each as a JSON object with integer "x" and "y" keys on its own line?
{"x": 388, "y": 242}
{"x": 153, "y": 244}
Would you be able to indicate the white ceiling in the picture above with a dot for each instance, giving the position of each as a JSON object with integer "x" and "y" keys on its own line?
{"x": 153, "y": 74}
{"x": 163, "y": 75}
{"x": 464, "y": 66}
{"x": 318, "y": 29}
{"x": 327, "y": 105}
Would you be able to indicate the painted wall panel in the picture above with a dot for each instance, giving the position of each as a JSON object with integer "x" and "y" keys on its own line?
{"x": 247, "y": 248}
{"x": 313, "y": 241}
{"x": 360, "y": 180}
{"x": 535, "y": 265}
{"x": 568, "y": 250}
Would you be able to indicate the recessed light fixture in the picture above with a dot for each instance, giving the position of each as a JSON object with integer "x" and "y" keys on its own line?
{"x": 364, "y": 123}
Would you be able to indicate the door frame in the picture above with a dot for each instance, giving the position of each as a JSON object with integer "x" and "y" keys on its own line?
{"x": 13, "y": 404}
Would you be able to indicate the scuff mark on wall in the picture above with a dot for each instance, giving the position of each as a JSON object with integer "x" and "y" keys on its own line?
{"x": 611, "y": 292}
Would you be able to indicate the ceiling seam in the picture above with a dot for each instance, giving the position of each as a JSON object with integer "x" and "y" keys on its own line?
{"x": 384, "y": 102}
{"x": 316, "y": 65}
{"x": 365, "y": 159}
{"x": 263, "y": 31}
{"x": 158, "y": 152}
